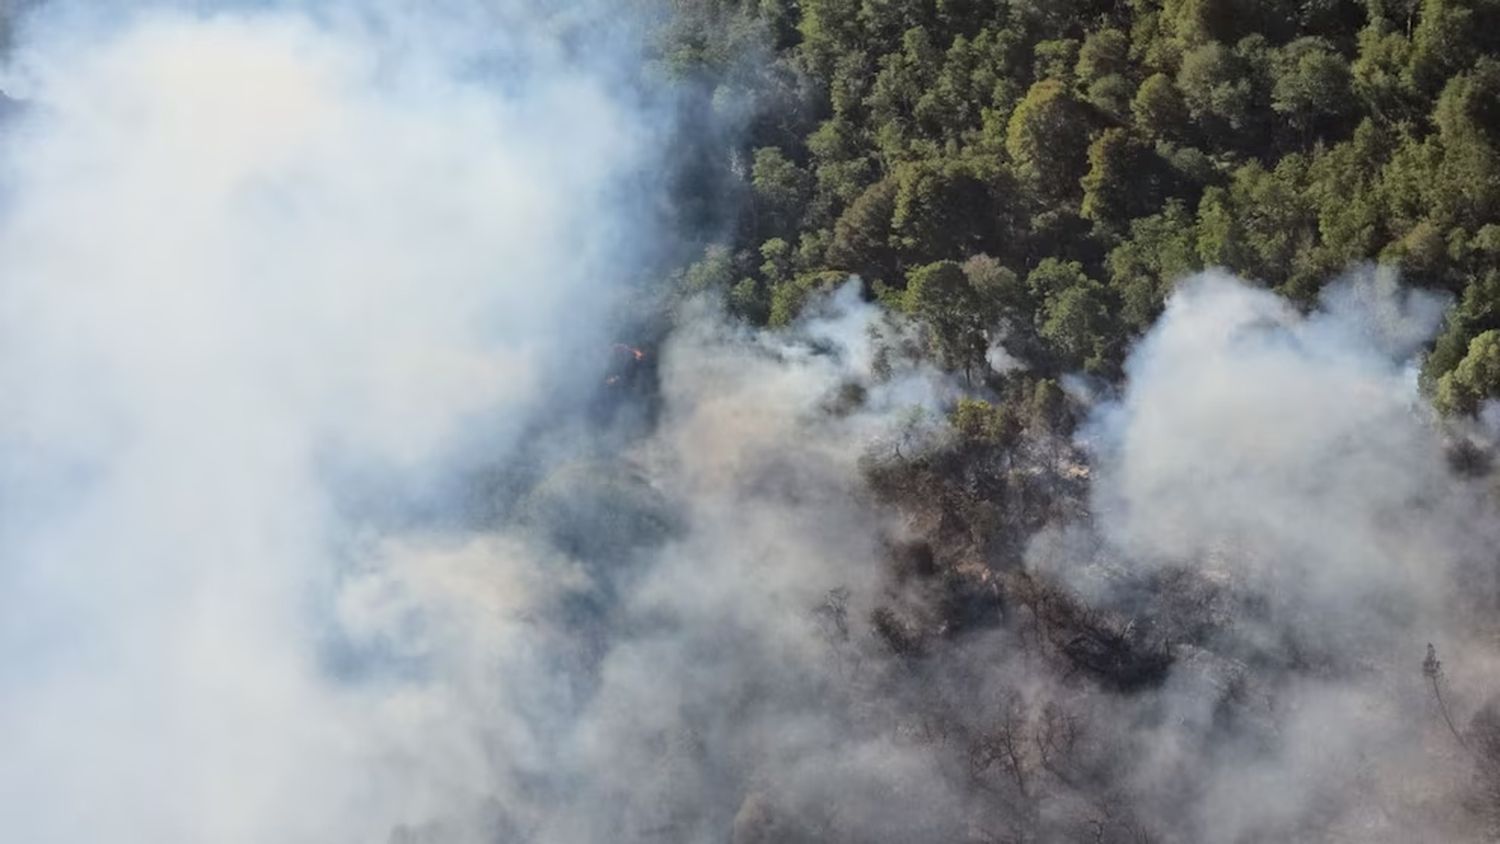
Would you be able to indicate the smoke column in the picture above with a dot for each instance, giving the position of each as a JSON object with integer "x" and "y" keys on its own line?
{"x": 268, "y": 271}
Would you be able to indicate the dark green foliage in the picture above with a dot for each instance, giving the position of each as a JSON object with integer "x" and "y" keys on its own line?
{"x": 1126, "y": 179}
{"x": 1047, "y": 140}
{"x": 954, "y": 312}
{"x": 1056, "y": 60}
{"x": 1218, "y": 88}
{"x": 1159, "y": 109}
{"x": 788, "y": 296}
{"x": 1198, "y": 21}
{"x": 1160, "y": 250}
{"x": 941, "y": 208}
{"x": 714, "y": 270}
{"x": 1476, "y": 313}
{"x": 1111, "y": 96}
{"x": 1313, "y": 87}
{"x": 991, "y": 424}
{"x": 1105, "y": 52}
{"x": 1003, "y": 294}
{"x": 1051, "y": 277}
{"x": 1449, "y": 36}
{"x": 1071, "y": 160}
{"x": 1078, "y": 326}
{"x": 1262, "y": 225}
{"x": 862, "y": 236}
{"x": 782, "y": 190}
{"x": 1475, "y": 379}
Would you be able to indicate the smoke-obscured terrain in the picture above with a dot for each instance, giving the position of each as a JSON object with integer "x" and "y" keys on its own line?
{"x": 557, "y": 423}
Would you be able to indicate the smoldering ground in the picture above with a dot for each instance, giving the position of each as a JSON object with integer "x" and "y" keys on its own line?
{"x": 1217, "y": 635}
{"x": 273, "y": 279}
{"x": 1290, "y": 460}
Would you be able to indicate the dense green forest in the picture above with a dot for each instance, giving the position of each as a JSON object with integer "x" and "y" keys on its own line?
{"x": 1045, "y": 171}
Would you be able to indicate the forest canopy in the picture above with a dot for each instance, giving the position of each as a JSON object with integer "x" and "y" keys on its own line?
{"x": 1077, "y": 158}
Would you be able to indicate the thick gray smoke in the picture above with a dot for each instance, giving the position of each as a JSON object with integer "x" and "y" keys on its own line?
{"x": 260, "y": 267}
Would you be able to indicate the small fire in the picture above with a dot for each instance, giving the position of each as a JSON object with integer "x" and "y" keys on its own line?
{"x": 636, "y": 356}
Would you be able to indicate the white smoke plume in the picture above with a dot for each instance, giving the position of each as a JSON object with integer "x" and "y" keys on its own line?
{"x": 1290, "y": 460}
{"x": 267, "y": 270}
{"x": 274, "y": 278}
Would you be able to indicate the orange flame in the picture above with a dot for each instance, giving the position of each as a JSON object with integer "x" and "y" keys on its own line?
{"x": 637, "y": 353}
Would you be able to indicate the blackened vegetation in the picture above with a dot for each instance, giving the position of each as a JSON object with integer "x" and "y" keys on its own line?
{"x": 962, "y": 601}
{"x": 975, "y": 501}
{"x": 1038, "y": 176}
{"x": 1028, "y": 692}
